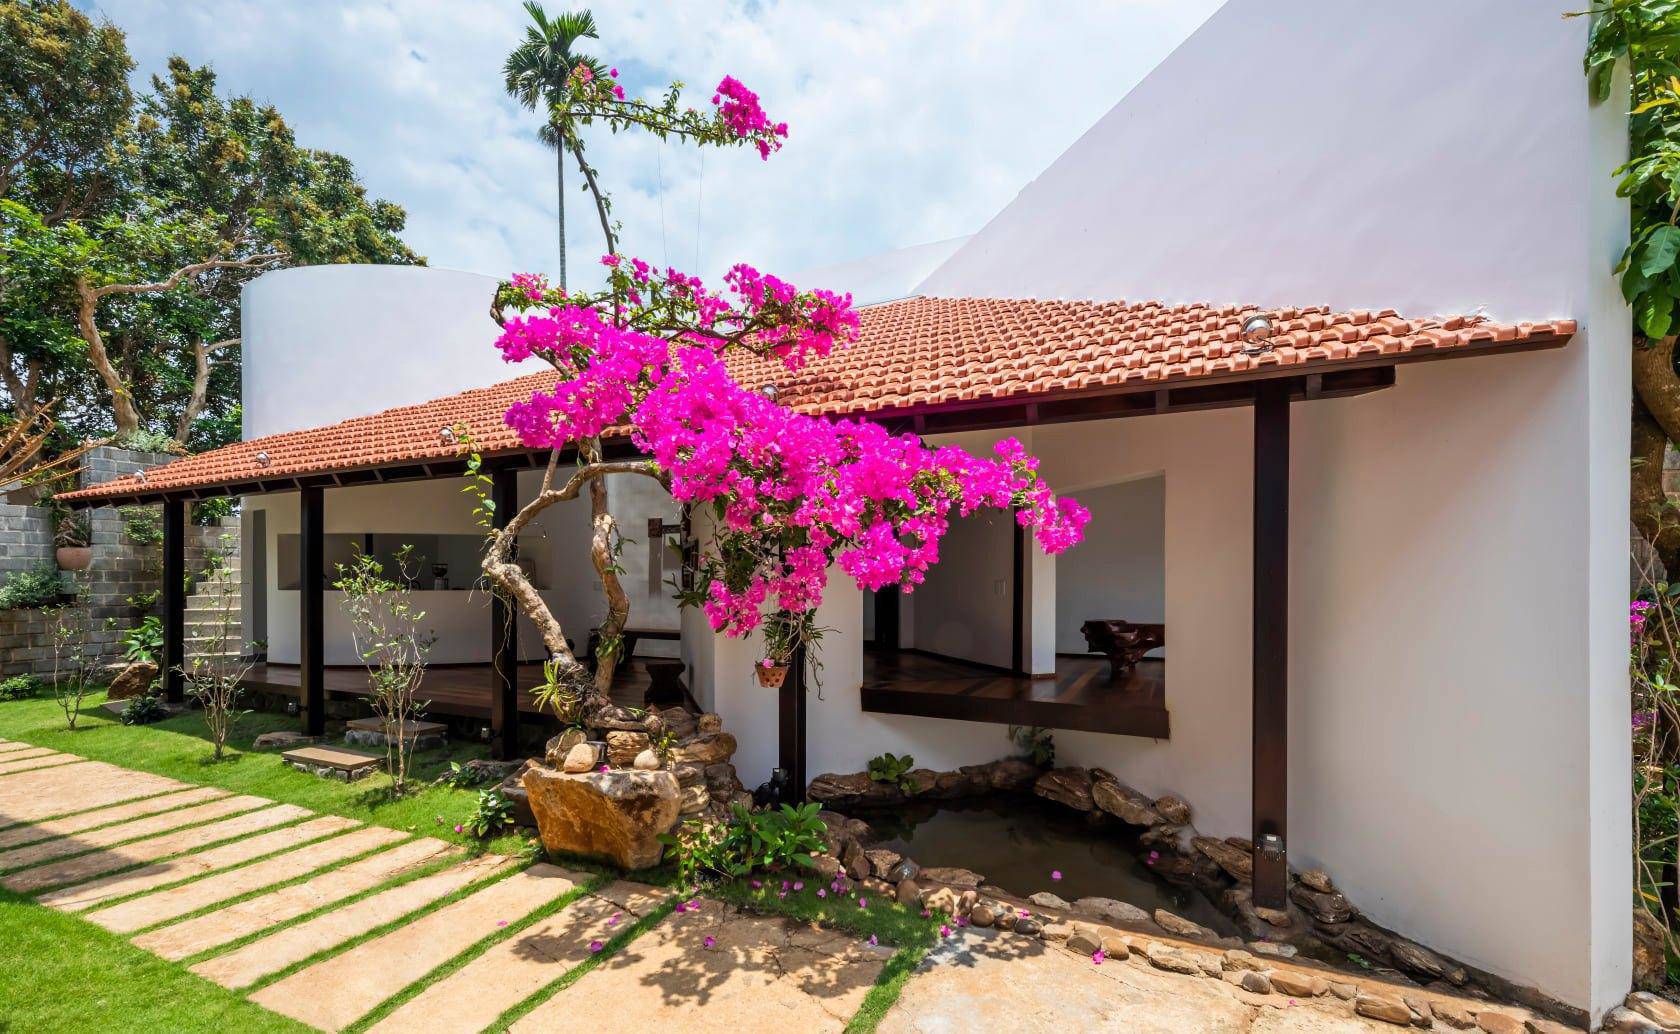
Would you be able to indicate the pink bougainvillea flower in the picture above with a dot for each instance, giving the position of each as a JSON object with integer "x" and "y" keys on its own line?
{"x": 616, "y": 916}
{"x": 798, "y": 885}
{"x": 680, "y": 907}
{"x": 595, "y": 947}
{"x": 874, "y": 940}
{"x": 1098, "y": 956}
{"x": 710, "y": 940}
{"x": 1055, "y": 874}
{"x": 694, "y": 904}
{"x": 863, "y": 902}
{"x": 501, "y": 922}
{"x": 606, "y": 768}
{"x": 926, "y": 914}
{"x": 1025, "y": 914}
{"x": 944, "y": 931}
{"x": 457, "y": 827}
{"x": 1154, "y": 856}
{"x": 822, "y": 893}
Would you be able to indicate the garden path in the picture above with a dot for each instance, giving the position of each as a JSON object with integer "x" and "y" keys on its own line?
{"x": 349, "y": 927}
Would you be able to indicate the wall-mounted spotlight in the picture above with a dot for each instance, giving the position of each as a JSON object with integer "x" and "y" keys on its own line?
{"x": 447, "y": 434}
{"x": 262, "y": 459}
{"x": 1257, "y": 335}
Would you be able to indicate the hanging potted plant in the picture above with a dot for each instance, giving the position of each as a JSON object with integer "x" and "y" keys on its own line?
{"x": 73, "y": 535}
{"x": 783, "y": 633}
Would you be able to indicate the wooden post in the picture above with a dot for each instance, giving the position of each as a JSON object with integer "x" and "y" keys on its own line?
{"x": 504, "y": 636}
{"x": 791, "y": 725}
{"x": 1018, "y": 603}
{"x": 312, "y": 589}
{"x": 1271, "y": 644}
{"x": 174, "y": 599}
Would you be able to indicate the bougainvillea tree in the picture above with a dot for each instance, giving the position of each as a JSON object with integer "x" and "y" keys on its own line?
{"x": 644, "y": 359}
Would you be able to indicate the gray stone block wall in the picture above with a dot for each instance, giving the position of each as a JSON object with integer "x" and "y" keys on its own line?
{"x": 122, "y": 569}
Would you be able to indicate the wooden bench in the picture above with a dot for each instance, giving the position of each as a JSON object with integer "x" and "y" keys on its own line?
{"x": 1123, "y": 642}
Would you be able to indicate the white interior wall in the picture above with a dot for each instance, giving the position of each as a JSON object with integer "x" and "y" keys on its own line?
{"x": 557, "y": 542}
{"x": 965, "y": 608}
{"x": 1119, "y": 570}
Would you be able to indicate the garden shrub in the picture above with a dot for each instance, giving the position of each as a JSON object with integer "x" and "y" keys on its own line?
{"x": 490, "y": 813}
{"x": 750, "y": 840}
{"x": 143, "y": 710}
{"x": 20, "y": 687}
{"x": 28, "y": 589}
{"x": 892, "y": 768}
{"x": 144, "y": 642}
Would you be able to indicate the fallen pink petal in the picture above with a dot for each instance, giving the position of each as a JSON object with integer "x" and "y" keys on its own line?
{"x": 710, "y": 940}
{"x": 595, "y": 947}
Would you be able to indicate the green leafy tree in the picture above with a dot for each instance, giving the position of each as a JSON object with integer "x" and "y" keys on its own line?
{"x": 537, "y": 75}
{"x": 130, "y": 224}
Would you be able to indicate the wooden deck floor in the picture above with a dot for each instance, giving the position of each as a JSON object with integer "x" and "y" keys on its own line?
{"x": 1079, "y": 697}
{"x": 454, "y": 689}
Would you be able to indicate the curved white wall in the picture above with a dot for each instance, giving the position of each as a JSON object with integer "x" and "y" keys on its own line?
{"x": 326, "y": 343}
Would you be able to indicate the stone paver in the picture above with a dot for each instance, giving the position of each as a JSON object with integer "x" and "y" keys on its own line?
{"x": 760, "y": 974}
{"x": 191, "y": 936}
{"x": 136, "y": 829}
{"x": 27, "y": 834}
{"x": 25, "y": 751}
{"x": 251, "y": 962}
{"x": 43, "y": 794}
{"x": 375, "y": 970}
{"x": 51, "y": 759}
{"x": 470, "y": 999}
{"x": 148, "y": 877}
{"x": 7, "y": 746}
{"x": 164, "y": 905}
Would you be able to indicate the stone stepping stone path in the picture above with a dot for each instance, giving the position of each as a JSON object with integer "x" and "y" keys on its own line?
{"x": 31, "y": 761}
{"x": 32, "y": 796}
{"x": 29, "y": 834}
{"x": 122, "y": 832}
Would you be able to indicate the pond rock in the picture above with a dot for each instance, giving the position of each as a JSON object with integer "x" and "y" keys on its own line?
{"x": 616, "y": 816}
{"x": 881, "y": 861}
{"x": 1173, "y": 808}
{"x": 710, "y": 721}
{"x": 621, "y": 719}
{"x": 833, "y": 788}
{"x": 707, "y": 748}
{"x": 1317, "y": 879}
{"x": 559, "y": 746}
{"x": 1115, "y": 911}
{"x": 1176, "y": 924}
{"x": 909, "y": 892}
{"x": 852, "y": 857}
{"x": 1124, "y": 803}
{"x": 1011, "y": 774}
{"x": 622, "y": 747}
{"x": 1045, "y": 899}
{"x": 694, "y": 800}
{"x": 906, "y": 869}
{"x": 1066, "y": 786}
{"x": 1227, "y": 855}
{"x": 967, "y": 879}
{"x": 1324, "y": 908}
{"x": 679, "y": 722}
{"x": 647, "y": 761}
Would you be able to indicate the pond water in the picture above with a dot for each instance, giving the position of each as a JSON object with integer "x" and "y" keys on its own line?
{"x": 1016, "y": 842}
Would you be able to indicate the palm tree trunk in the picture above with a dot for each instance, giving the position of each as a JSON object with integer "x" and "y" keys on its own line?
{"x": 560, "y": 181}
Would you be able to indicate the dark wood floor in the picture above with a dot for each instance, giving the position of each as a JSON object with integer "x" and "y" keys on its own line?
{"x": 454, "y": 689}
{"x": 1080, "y": 696}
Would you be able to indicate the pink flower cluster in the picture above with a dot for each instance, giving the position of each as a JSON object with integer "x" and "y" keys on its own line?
{"x": 792, "y": 493}
{"x": 740, "y": 111}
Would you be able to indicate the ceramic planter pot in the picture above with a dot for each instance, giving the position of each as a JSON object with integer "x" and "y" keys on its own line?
{"x": 75, "y": 558}
{"x": 771, "y": 676}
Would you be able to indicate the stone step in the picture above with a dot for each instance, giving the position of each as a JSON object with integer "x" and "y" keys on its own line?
{"x": 186, "y": 867}
{"x": 213, "y": 929}
{"x": 134, "y": 829}
{"x": 164, "y": 905}
{"x": 470, "y": 999}
{"x": 375, "y": 970}
{"x": 34, "y": 796}
{"x": 32, "y": 760}
{"x": 17, "y": 836}
{"x": 253, "y": 961}
{"x": 334, "y": 762}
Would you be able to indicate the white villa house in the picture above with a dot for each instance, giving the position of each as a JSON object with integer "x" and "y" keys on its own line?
{"x": 1384, "y": 533}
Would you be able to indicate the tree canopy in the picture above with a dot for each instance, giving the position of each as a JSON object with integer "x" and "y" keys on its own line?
{"x": 130, "y": 221}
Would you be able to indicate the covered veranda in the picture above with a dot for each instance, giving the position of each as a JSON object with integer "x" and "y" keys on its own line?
{"x": 1303, "y": 356}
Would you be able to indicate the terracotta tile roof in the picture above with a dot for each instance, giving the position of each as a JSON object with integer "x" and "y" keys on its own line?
{"x": 915, "y": 355}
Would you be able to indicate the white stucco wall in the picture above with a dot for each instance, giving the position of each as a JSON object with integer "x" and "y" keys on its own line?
{"x": 1120, "y": 570}
{"x": 965, "y": 609}
{"x": 325, "y": 343}
{"x": 1459, "y": 714}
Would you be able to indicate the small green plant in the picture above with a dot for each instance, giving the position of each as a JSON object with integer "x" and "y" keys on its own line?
{"x": 892, "y": 768}
{"x": 144, "y": 642}
{"x": 143, "y": 710}
{"x": 71, "y": 527}
{"x": 1036, "y": 742}
{"x": 492, "y": 812}
{"x": 30, "y": 589}
{"x": 149, "y": 441}
{"x": 750, "y": 840}
{"x": 20, "y": 687}
{"x": 209, "y": 511}
{"x": 142, "y": 525}
{"x": 462, "y": 777}
{"x": 75, "y": 658}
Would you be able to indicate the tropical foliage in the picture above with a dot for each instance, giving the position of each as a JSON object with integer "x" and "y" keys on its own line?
{"x": 129, "y": 222}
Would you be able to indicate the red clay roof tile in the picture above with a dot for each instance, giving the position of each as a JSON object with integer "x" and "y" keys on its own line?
{"x": 915, "y": 353}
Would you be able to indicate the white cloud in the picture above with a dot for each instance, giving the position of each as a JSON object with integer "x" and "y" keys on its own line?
{"x": 909, "y": 123}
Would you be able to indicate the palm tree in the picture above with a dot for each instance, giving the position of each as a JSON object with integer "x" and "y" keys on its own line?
{"x": 536, "y": 73}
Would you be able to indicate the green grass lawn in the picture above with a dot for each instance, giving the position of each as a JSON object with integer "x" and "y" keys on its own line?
{"x": 179, "y": 748}
{"x": 64, "y": 974}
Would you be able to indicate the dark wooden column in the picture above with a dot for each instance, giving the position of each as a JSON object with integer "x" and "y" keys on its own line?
{"x": 791, "y": 725}
{"x": 1271, "y": 643}
{"x": 312, "y": 588}
{"x": 174, "y": 599}
{"x": 504, "y": 636}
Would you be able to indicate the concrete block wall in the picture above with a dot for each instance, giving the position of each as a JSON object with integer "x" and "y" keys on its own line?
{"x": 122, "y": 569}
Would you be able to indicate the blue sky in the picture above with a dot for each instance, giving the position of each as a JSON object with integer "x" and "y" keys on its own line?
{"x": 909, "y": 123}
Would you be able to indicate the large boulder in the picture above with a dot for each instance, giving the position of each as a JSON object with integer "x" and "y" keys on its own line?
{"x": 1123, "y": 802}
{"x": 132, "y": 680}
{"x": 616, "y": 816}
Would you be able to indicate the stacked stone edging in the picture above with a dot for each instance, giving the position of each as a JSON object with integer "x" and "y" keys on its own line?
{"x": 1220, "y": 868}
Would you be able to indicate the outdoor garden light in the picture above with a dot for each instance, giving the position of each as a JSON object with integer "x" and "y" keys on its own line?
{"x": 1271, "y": 844}
{"x": 769, "y": 392}
{"x": 292, "y": 707}
{"x": 447, "y": 434}
{"x": 1257, "y": 335}
{"x": 140, "y": 476}
{"x": 262, "y": 459}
